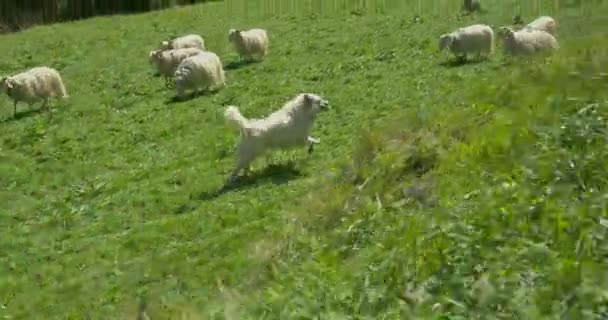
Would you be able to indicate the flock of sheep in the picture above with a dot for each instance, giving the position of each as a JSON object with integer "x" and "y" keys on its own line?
{"x": 535, "y": 37}
{"x": 186, "y": 60}
{"x": 192, "y": 67}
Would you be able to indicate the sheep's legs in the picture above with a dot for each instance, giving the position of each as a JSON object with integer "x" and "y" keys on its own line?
{"x": 14, "y": 108}
{"x": 45, "y": 105}
{"x": 311, "y": 143}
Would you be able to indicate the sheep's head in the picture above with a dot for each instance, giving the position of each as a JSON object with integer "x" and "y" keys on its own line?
{"x": 517, "y": 20}
{"x": 151, "y": 56}
{"x": 233, "y": 34}
{"x": 445, "y": 41}
{"x": 155, "y": 56}
{"x": 506, "y": 32}
{"x": 6, "y": 84}
{"x": 314, "y": 103}
{"x": 165, "y": 45}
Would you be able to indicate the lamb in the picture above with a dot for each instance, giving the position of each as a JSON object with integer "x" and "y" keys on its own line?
{"x": 477, "y": 38}
{"x": 528, "y": 41}
{"x": 471, "y": 5}
{"x": 285, "y": 128}
{"x": 167, "y": 61}
{"x": 35, "y": 84}
{"x": 187, "y": 41}
{"x": 250, "y": 43}
{"x": 200, "y": 72}
{"x": 544, "y": 23}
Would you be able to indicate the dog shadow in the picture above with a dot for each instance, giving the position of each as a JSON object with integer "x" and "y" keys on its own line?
{"x": 276, "y": 173}
{"x": 459, "y": 62}
{"x": 191, "y": 96}
{"x": 237, "y": 64}
{"x": 24, "y": 114}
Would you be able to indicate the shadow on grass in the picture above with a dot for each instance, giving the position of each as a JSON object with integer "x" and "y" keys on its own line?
{"x": 277, "y": 174}
{"x": 233, "y": 65}
{"x": 191, "y": 96}
{"x": 459, "y": 62}
{"x": 24, "y": 114}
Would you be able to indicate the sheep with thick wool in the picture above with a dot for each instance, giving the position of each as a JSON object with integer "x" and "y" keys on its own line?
{"x": 474, "y": 39}
{"x": 250, "y": 43}
{"x": 186, "y": 41}
{"x": 528, "y": 41}
{"x": 544, "y": 23}
{"x": 285, "y": 128}
{"x": 33, "y": 85}
{"x": 199, "y": 72}
{"x": 167, "y": 61}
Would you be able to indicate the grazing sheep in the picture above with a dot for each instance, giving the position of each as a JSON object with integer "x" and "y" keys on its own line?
{"x": 544, "y": 23}
{"x": 35, "y": 84}
{"x": 250, "y": 43}
{"x": 187, "y": 41}
{"x": 528, "y": 41}
{"x": 167, "y": 61}
{"x": 477, "y": 38}
{"x": 199, "y": 72}
{"x": 287, "y": 127}
{"x": 472, "y": 5}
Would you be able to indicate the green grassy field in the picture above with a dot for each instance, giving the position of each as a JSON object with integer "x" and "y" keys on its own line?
{"x": 437, "y": 192}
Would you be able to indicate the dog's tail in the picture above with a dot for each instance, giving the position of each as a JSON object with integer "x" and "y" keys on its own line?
{"x": 234, "y": 116}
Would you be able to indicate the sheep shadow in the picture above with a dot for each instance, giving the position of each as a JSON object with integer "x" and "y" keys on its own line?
{"x": 277, "y": 174}
{"x": 191, "y": 96}
{"x": 237, "y": 64}
{"x": 24, "y": 114}
{"x": 460, "y": 62}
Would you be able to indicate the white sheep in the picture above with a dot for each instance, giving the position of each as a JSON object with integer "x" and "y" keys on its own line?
{"x": 528, "y": 41}
{"x": 250, "y": 43}
{"x": 199, "y": 72}
{"x": 477, "y": 38}
{"x": 167, "y": 61}
{"x": 187, "y": 41}
{"x": 544, "y": 23}
{"x": 35, "y": 84}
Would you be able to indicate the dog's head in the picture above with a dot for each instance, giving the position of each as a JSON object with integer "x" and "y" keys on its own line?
{"x": 314, "y": 102}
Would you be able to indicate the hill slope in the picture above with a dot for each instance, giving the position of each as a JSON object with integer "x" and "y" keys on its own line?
{"x": 480, "y": 186}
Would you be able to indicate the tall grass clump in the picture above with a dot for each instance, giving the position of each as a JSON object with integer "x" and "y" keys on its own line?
{"x": 492, "y": 209}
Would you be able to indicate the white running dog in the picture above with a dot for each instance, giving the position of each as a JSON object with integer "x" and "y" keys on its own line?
{"x": 285, "y": 128}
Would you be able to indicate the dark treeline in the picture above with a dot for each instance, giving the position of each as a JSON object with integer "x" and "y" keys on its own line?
{"x": 19, "y": 14}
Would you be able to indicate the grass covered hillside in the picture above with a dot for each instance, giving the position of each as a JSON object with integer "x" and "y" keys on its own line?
{"x": 438, "y": 191}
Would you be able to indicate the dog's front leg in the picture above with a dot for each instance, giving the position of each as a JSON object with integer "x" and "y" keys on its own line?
{"x": 243, "y": 163}
{"x": 311, "y": 143}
